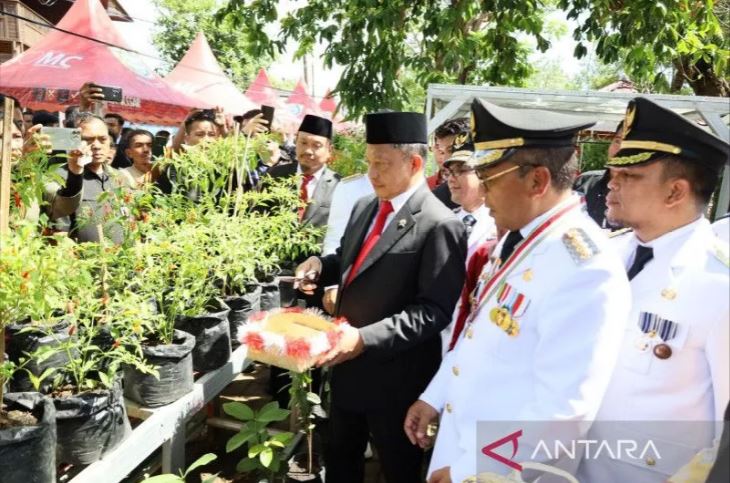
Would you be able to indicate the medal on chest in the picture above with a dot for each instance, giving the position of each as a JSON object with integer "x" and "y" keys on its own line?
{"x": 656, "y": 332}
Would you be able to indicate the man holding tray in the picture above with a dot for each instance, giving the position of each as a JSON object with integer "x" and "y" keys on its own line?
{"x": 400, "y": 268}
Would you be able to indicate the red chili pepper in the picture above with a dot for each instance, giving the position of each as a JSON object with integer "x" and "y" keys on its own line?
{"x": 18, "y": 200}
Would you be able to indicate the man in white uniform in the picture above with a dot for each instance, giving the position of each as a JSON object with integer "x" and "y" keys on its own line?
{"x": 546, "y": 322}
{"x": 346, "y": 194}
{"x": 467, "y": 192}
{"x": 721, "y": 227}
{"x": 674, "y": 363}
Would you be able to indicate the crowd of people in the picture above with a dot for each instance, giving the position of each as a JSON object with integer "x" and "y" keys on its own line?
{"x": 498, "y": 289}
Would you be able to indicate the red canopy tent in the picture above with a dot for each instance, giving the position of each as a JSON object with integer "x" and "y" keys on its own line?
{"x": 261, "y": 92}
{"x": 328, "y": 103}
{"x": 48, "y": 75}
{"x": 199, "y": 75}
{"x": 301, "y": 103}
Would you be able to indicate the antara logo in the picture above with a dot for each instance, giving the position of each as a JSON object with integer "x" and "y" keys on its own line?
{"x": 56, "y": 60}
{"x": 488, "y": 450}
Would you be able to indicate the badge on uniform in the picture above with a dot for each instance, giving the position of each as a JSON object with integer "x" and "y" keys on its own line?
{"x": 511, "y": 306}
{"x": 654, "y": 327}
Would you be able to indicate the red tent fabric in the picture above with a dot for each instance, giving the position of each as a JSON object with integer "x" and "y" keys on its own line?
{"x": 48, "y": 75}
{"x": 301, "y": 103}
{"x": 328, "y": 103}
{"x": 200, "y": 76}
{"x": 261, "y": 92}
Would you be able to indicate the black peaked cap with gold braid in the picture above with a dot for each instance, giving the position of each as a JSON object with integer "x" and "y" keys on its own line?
{"x": 498, "y": 131}
{"x": 651, "y": 131}
{"x": 462, "y": 149}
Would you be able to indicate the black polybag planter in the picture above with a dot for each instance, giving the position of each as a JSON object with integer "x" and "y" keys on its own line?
{"x": 212, "y": 336}
{"x": 270, "y": 296}
{"x": 241, "y": 307}
{"x": 90, "y": 424}
{"x": 28, "y": 453}
{"x": 173, "y": 362}
{"x": 19, "y": 345}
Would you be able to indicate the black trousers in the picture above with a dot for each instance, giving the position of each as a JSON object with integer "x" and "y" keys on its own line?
{"x": 348, "y": 435}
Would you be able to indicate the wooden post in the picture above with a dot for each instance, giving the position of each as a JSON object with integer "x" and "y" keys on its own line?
{"x": 5, "y": 171}
{"x": 5, "y": 160}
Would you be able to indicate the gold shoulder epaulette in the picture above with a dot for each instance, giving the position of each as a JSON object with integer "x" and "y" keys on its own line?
{"x": 720, "y": 251}
{"x": 620, "y": 232}
{"x": 352, "y": 177}
{"x": 579, "y": 245}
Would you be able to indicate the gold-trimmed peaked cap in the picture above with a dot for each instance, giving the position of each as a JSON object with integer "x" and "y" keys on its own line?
{"x": 498, "y": 131}
{"x": 651, "y": 132}
{"x": 462, "y": 149}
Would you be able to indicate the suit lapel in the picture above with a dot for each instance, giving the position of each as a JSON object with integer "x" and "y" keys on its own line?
{"x": 360, "y": 227}
{"x": 321, "y": 192}
{"x": 402, "y": 223}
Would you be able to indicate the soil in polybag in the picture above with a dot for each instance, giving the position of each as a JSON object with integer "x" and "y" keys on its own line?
{"x": 212, "y": 336}
{"x": 28, "y": 453}
{"x": 22, "y": 342}
{"x": 90, "y": 424}
{"x": 174, "y": 363}
{"x": 241, "y": 307}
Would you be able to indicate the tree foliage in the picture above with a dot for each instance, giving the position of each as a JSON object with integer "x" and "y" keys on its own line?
{"x": 387, "y": 46}
{"x": 181, "y": 20}
{"x": 458, "y": 41}
{"x": 651, "y": 38}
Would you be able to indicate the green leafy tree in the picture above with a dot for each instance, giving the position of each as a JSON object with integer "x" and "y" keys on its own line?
{"x": 379, "y": 43}
{"x": 662, "y": 44}
{"x": 181, "y": 20}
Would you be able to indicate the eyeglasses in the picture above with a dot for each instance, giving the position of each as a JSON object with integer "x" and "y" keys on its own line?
{"x": 486, "y": 179}
{"x": 448, "y": 172}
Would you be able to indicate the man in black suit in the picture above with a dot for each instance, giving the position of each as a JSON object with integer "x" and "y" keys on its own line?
{"x": 400, "y": 268}
{"x": 318, "y": 182}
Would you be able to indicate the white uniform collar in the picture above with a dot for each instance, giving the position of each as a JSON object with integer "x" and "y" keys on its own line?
{"x": 528, "y": 228}
{"x": 670, "y": 245}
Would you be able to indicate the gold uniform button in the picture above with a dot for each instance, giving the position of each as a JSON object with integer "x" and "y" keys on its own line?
{"x": 449, "y": 408}
{"x": 650, "y": 461}
{"x": 469, "y": 333}
{"x": 455, "y": 370}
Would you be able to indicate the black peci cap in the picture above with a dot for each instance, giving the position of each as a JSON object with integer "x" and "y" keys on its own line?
{"x": 316, "y": 125}
{"x": 396, "y": 128}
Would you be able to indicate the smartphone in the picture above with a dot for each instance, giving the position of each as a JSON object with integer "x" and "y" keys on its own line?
{"x": 111, "y": 94}
{"x": 63, "y": 138}
{"x": 268, "y": 112}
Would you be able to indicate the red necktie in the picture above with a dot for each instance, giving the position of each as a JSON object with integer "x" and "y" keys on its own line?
{"x": 303, "y": 196}
{"x": 386, "y": 208}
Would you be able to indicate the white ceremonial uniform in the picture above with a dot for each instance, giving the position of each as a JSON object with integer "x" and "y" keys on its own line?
{"x": 722, "y": 228}
{"x": 575, "y": 298}
{"x": 682, "y": 295}
{"x": 484, "y": 229}
{"x": 347, "y": 192}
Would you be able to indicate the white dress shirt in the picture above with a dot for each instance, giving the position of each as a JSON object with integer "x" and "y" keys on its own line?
{"x": 483, "y": 229}
{"x": 312, "y": 185}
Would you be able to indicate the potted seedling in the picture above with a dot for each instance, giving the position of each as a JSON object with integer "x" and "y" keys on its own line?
{"x": 263, "y": 449}
{"x": 305, "y": 466}
{"x": 90, "y": 413}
